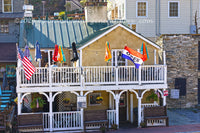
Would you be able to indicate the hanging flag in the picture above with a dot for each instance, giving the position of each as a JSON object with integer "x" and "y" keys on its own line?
{"x": 38, "y": 55}
{"x": 144, "y": 51}
{"x": 60, "y": 56}
{"x": 37, "y": 104}
{"x": 108, "y": 55}
{"x": 26, "y": 99}
{"x": 63, "y": 55}
{"x": 157, "y": 93}
{"x": 75, "y": 54}
{"x": 134, "y": 56}
{"x": 27, "y": 53}
{"x": 28, "y": 67}
{"x": 55, "y": 54}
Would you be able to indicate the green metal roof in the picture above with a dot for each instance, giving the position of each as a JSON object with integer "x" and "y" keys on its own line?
{"x": 49, "y": 33}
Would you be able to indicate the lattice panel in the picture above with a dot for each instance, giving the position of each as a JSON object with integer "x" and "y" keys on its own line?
{"x": 27, "y": 102}
{"x": 62, "y": 96}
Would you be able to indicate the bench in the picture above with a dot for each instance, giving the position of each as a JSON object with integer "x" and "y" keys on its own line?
{"x": 156, "y": 116}
{"x": 95, "y": 118}
{"x": 30, "y": 122}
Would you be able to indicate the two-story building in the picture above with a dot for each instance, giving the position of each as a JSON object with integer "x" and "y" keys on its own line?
{"x": 119, "y": 83}
{"x": 154, "y": 18}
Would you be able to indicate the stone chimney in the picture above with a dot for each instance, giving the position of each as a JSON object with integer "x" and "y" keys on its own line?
{"x": 96, "y": 11}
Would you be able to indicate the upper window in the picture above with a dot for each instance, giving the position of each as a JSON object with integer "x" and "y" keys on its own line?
{"x": 142, "y": 9}
{"x": 4, "y": 26}
{"x": 7, "y": 6}
{"x": 173, "y": 10}
{"x": 117, "y": 59}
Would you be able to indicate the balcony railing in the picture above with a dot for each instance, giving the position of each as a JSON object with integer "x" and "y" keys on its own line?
{"x": 92, "y": 75}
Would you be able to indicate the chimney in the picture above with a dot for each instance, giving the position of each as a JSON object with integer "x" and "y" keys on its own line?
{"x": 96, "y": 11}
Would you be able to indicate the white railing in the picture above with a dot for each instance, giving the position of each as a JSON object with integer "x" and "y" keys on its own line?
{"x": 93, "y": 75}
{"x": 111, "y": 115}
{"x": 147, "y": 105}
{"x": 46, "y": 121}
{"x": 99, "y": 75}
{"x": 40, "y": 77}
{"x": 66, "y": 75}
{"x": 67, "y": 120}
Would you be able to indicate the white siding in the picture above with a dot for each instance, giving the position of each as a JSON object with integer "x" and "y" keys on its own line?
{"x": 180, "y": 25}
{"x": 144, "y": 26}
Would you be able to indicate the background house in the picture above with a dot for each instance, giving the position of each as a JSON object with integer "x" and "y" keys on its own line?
{"x": 11, "y": 12}
{"x": 153, "y": 18}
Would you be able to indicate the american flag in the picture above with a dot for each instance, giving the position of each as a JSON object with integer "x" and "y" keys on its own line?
{"x": 27, "y": 65}
{"x": 157, "y": 93}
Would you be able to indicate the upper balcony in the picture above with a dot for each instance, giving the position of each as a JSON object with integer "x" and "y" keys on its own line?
{"x": 93, "y": 76}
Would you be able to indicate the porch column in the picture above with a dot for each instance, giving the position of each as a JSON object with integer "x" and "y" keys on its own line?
{"x": 82, "y": 119}
{"x": 164, "y": 98}
{"x": 154, "y": 56}
{"x": 19, "y": 104}
{"x": 131, "y": 102}
{"x": 117, "y": 110}
{"x": 127, "y": 106}
{"x": 51, "y": 111}
{"x": 139, "y": 110}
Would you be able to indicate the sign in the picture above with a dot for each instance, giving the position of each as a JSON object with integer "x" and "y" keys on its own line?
{"x": 166, "y": 93}
{"x": 81, "y": 102}
{"x": 174, "y": 94}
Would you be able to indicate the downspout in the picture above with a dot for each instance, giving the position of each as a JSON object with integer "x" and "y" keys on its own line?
{"x": 159, "y": 18}
{"x": 190, "y": 12}
{"x": 156, "y": 18}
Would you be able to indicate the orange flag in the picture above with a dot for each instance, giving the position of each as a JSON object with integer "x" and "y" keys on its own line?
{"x": 108, "y": 55}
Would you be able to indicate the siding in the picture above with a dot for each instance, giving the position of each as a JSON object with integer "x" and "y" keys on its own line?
{"x": 144, "y": 26}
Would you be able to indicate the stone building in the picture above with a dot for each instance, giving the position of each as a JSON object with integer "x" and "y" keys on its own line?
{"x": 183, "y": 65}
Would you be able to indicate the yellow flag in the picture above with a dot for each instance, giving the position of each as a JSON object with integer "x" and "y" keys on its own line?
{"x": 108, "y": 55}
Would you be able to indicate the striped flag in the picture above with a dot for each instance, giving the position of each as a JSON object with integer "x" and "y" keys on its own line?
{"x": 108, "y": 55}
{"x": 133, "y": 56}
{"x": 27, "y": 65}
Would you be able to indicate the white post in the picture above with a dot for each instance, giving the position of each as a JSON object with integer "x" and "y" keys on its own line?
{"x": 117, "y": 109}
{"x": 164, "y": 58}
{"x": 127, "y": 107}
{"x": 19, "y": 104}
{"x": 131, "y": 102}
{"x": 110, "y": 101}
{"x": 139, "y": 111}
{"x": 140, "y": 75}
{"x": 49, "y": 59}
{"x": 117, "y": 75}
{"x": 51, "y": 111}
{"x": 155, "y": 57}
{"x": 82, "y": 121}
{"x": 165, "y": 74}
{"x": 81, "y": 57}
{"x": 164, "y": 98}
{"x": 50, "y": 76}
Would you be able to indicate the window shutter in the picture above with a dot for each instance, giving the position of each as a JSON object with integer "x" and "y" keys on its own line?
{"x": 180, "y": 83}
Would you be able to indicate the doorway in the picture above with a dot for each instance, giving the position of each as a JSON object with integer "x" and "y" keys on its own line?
{"x": 123, "y": 107}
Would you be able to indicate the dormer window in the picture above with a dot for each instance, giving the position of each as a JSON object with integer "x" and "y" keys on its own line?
{"x": 7, "y": 6}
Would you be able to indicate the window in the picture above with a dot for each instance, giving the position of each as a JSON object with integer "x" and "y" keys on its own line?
{"x": 4, "y": 26}
{"x": 173, "y": 9}
{"x": 117, "y": 59}
{"x": 180, "y": 83}
{"x": 7, "y": 6}
{"x": 142, "y": 9}
{"x": 93, "y": 98}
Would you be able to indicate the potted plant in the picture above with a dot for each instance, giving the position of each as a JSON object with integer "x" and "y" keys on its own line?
{"x": 99, "y": 99}
{"x": 142, "y": 125}
{"x": 114, "y": 126}
{"x": 103, "y": 129}
{"x": 152, "y": 96}
{"x": 37, "y": 104}
{"x": 66, "y": 101}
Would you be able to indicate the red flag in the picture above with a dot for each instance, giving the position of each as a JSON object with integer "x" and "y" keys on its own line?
{"x": 144, "y": 52}
{"x": 55, "y": 54}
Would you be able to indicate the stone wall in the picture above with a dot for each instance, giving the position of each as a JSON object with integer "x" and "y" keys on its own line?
{"x": 182, "y": 62}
